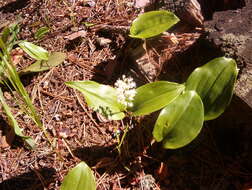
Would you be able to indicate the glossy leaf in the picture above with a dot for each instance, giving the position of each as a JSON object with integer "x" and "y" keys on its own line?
{"x": 152, "y": 23}
{"x": 54, "y": 60}
{"x": 13, "y": 122}
{"x": 100, "y": 97}
{"x": 79, "y": 178}
{"x": 180, "y": 121}
{"x": 36, "y": 52}
{"x": 214, "y": 82}
{"x": 154, "y": 96}
{"x": 41, "y": 32}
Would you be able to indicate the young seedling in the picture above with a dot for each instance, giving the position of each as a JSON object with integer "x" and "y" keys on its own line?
{"x": 41, "y": 32}
{"x": 7, "y": 41}
{"x": 8, "y": 73}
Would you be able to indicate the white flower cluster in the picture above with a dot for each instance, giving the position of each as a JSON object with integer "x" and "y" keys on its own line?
{"x": 126, "y": 90}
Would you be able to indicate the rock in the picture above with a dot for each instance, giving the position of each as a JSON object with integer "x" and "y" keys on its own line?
{"x": 231, "y": 31}
{"x": 189, "y": 11}
{"x": 142, "y": 3}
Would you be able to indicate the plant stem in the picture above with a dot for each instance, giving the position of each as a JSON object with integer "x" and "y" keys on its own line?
{"x": 120, "y": 141}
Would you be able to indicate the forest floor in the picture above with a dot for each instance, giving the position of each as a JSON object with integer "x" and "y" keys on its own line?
{"x": 92, "y": 34}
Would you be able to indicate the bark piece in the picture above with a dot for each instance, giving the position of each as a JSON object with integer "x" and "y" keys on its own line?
{"x": 148, "y": 63}
{"x": 188, "y": 11}
{"x": 231, "y": 31}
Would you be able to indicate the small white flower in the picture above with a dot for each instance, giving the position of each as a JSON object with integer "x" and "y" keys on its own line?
{"x": 125, "y": 89}
{"x": 130, "y": 104}
{"x": 57, "y": 117}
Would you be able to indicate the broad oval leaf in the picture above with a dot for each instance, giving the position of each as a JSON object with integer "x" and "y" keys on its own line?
{"x": 100, "y": 98}
{"x": 152, "y": 23}
{"x": 79, "y": 178}
{"x": 154, "y": 96}
{"x": 180, "y": 121}
{"x": 54, "y": 60}
{"x": 214, "y": 82}
{"x": 36, "y": 52}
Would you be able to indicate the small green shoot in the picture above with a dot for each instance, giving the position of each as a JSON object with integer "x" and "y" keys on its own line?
{"x": 41, "y": 32}
{"x": 8, "y": 71}
{"x": 9, "y": 36}
{"x": 13, "y": 122}
{"x": 88, "y": 24}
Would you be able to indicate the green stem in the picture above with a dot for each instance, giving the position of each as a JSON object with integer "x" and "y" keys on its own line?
{"x": 120, "y": 141}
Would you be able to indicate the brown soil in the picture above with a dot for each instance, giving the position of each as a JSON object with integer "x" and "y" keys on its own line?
{"x": 220, "y": 158}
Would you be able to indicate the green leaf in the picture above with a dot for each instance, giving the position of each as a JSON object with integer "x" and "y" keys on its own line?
{"x": 5, "y": 34}
{"x": 10, "y": 34}
{"x": 15, "y": 81}
{"x": 152, "y": 23}
{"x": 36, "y": 52}
{"x": 154, "y": 96}
{"x": 41, "y": 32}
{"x": 88, "y": 24}
{"x": 180, "y": 121}
{"x": 99, "y": 97}
{"x": 54, "y": 60}
{"x": 79, "y": 178}
{"x": 13, "y": 122}
{"x": 214, "y": 82}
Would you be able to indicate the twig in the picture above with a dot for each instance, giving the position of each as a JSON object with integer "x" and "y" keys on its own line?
{"x": 69, "y": 150}
{"x": 83, "y": 107}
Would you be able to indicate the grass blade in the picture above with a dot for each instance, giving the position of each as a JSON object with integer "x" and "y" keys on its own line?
{"x": 13, "y": 122}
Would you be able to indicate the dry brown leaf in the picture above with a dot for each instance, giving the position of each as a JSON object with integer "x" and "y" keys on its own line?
{"x": 3, "y": 142}
{"x": 81, "y": 33}
{"x": 142, "y": 3}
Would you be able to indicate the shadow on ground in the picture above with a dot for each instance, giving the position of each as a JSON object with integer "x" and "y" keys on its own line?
{"x": 219, "y": 158}
{"x": 34, "y": 180}
{"x": 128, "y": 163}
{"x": 14, "y": 6}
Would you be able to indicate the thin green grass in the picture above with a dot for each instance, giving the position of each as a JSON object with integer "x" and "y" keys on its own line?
{"x": 8, "y": 70}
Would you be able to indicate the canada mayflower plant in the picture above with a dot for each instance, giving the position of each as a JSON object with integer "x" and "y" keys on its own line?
{"x": 125, "y": 90}
{"x": 183, "y": 107}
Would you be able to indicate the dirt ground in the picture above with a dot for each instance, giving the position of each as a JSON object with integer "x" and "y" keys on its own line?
{"x": 220, "y": 158}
